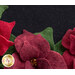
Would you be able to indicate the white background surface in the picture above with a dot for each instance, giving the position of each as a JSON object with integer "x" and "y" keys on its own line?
{"x": 38, "y": 2}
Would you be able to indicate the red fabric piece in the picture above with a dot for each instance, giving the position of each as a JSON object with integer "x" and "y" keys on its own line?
{"x": 4, "y": 45}
{"x": 30, "y": 46}
{"x": 6, "y": 28}
{"x": 28, "y": 51}
{"x": 56, "y": 60}
{"x": 72, "y": 44}
{"x": 66, "y": 38}
{"x": 68, "y": 42}
{"x": 73, "y": 29}
{"x": 43, "y": 63}
{"x": 28, "y": 65}
{"x": 69, "y": 59}
{"x": 74, "y": 63}
{"x": 5, "y": 32}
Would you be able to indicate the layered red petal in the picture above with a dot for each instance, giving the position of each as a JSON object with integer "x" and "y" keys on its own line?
{"x": 28, "y": 65}
{"x": 6, "y": 28}
{"x": 43, "y": 63}
{"x": 56, "y": 60}
{"x": 66, "y": 38}
{"x": 74, "y": 63}
{"x": 4, "y": 45}
{"x": 68, "y": 59}
{"x": 28, "y": 51}
{"x": 72, "y": 44}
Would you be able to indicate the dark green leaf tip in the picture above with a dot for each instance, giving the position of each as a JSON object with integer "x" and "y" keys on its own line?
{"x": 2, "y": 9}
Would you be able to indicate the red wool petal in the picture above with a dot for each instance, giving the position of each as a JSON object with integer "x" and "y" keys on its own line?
{"x": 56, "y": 60}
{"x": 6, "y": 28}
{"x": 28, "y": 51}
{"x": 4, "y": 45}
{"x": 18, "y": 63}
{"x": 66, "y": 38}
{"x": 27, "y": 33}
{"x": 72, "y": 44}
{"x": 69, "y": 59}
{"x": 19, "y": 41}
{"x": 74, "y": 64}
{"x": 42, "y": 44}
{"x": 73, "y": 29}
{"x": 43, "y": 63}
{"x": 36, "y": 41}
{"x": 28, "y": 65}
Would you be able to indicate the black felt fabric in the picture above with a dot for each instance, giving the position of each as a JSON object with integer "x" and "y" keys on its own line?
{"x": 37, "y": 18}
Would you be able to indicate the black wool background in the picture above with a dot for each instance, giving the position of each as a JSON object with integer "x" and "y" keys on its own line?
{"x": 37, "y": 18}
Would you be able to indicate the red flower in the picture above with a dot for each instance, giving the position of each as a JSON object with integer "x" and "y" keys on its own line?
{"x": 34, "y": 53}
{"x": 5, "y": 32}
{"x": 68, "y": 42}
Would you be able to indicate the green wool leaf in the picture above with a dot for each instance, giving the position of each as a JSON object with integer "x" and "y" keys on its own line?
{"x": 48, "y": 35}
{"x": 11, "y": 49}
{"x": 1, "y": 66}
{"x": 12, "y": 37}
{"x": 59, "y": 48}
{"x": 2, "y": 9}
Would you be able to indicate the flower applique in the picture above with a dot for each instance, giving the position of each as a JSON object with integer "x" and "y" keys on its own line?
{"x": 33, "y": 52}
{"x": 5, "y": 32}
{"x": 68, "y": 42}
